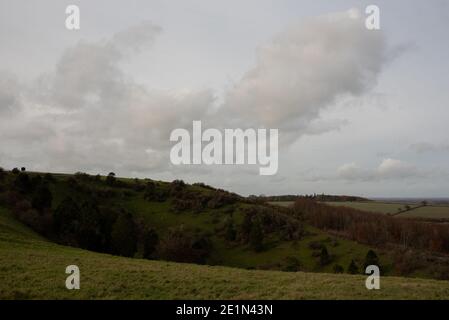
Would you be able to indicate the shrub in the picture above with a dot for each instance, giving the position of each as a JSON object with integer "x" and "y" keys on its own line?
{"x": 22, "y": 183}
{"x": 353, "y": 268}
{"x": 325, "y": 258}
{"x": 123, "y": 236}
{"x": 245, "y": 227}
{"x": 177, "y": 187}
{"x": 150, "y": 241}
{"x": 153, "y": 193}
{"x": 230, "y": 232}
{"x": 315, "y": 245}
{"x": 371, "y": 259}
{"x": 338, "y": 269}
{"x": 110, "y": 179}
{"x": 256, "y": 236}
{"x": 292, "y": 264}
{"x": 42, "y": 198}
{"x": 180, "y": 245}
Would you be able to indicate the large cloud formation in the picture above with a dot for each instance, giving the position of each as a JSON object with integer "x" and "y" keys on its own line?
{"x": 306, "y": 68}
{"x": 87, "y": 114}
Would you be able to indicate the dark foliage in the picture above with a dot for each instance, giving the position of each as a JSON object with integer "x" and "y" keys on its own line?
{"x": 124, "y": 235}
{"x": 376, "y": 229}
{"x": 150, "y": 242}
{"x": 325, "y": 258}
{"x": 353, "y": 268}
{"x": 230, "y": 232}
{"x": 371, "y": 259}
{"x": 256, "y": 236}
{"x": 182, "y": 246}
{"x": 338, "y": 269}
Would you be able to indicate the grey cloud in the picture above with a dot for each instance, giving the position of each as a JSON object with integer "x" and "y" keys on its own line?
{"x": 305, "y": 69}
{"x": 388, "y": 169}
{"x": 319, "y": 126}
{"x": 98, "y": 118}
{"x": 427, "y": 147}
{"x": 10, "y": 95}
{"x": 89, "y": 114}
{"x": 137, "y": 37}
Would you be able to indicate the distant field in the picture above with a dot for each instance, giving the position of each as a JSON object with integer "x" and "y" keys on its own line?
{"x": 372, "y": 206}
{"x": 429, "y": 211}
{"x": 282, "y": 203}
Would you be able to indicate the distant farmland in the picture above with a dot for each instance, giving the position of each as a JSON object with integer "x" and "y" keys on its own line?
{"x": 417, "y": 211}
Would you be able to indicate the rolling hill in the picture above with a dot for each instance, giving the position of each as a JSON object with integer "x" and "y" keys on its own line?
{"x": 34, "y": 268}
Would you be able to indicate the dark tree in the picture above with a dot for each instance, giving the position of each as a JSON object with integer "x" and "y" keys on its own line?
{"x": 230, "y": 232}
{"x": 325, "y": 258}
{"x": 66, "y": 221}
{"x": 256, "y": 236}
{"x": 182, "y": 246}
{"x": 23, "y": 169}
{"x": 123, "y": 236}
{"x": 338, "y": 269}
{"x": 177, "y": 187}
{"x": 245, "y": 227}
{"x": 15, "y": 171}
{"x": 91, "y": 234}
{"x": 42, "y": 198}
{"x": 23, "y": 183}
{"x": 150, "y": 241}
{"x": 292, "y": 264}
{"x": 110, "y": 179}
{"x": 371, "y": 259}
{"x": 150, "y": 191}
{"x": 353, "y": 268}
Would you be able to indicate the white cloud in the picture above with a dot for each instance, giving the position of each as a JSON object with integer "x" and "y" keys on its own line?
{"x": 428, "y": 147}
{"x": 393, "y": 168}
{"x": 306, "y": 68}
{"x": 88, "y": 114}
{"x": 388, "y": 169}
{"x": 10, "y": 95}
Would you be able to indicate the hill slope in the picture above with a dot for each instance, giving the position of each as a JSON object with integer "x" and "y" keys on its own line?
{"x": 33, "y": 268}
{"x": 202, "y": 212}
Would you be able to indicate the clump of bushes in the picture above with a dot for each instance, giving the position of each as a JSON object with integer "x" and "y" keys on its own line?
{"x": 181, "y": 245}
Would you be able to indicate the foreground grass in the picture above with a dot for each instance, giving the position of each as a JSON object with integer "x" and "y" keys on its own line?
{"x": 32, "y": 268}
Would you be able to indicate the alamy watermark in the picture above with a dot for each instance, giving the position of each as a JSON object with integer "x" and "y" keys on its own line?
{"x": 373, "y": 280}
{"x": 73, "y": 280}
{"x": 234, "y": 146}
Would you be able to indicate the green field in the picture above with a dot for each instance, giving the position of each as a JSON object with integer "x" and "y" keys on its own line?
{"x": 372, "y": 206}
{"x": 427, "y": 212}
{"x": 33, "y": 268}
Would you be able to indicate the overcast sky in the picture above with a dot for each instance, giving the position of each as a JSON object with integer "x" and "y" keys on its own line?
{"x": 359, "y": 112}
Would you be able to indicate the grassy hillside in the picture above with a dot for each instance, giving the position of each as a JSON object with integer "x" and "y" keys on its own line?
{"x": 278, "y": 254}
{"x": 33, "y": 268}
